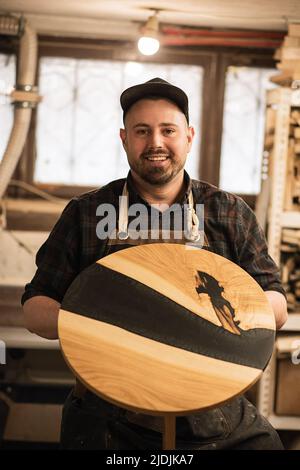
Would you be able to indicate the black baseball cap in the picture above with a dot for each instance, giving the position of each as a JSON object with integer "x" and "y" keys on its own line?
{"x": 155, "y": 87}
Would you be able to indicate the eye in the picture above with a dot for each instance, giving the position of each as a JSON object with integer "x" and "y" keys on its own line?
{"x": 169, "y": 131}
{"x": 142, "y": 132}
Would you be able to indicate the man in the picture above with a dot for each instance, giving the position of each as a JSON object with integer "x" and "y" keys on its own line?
{"x": 157, "y": 138}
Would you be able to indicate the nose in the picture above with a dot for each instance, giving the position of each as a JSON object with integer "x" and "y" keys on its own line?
{"x": 155, "y": 140}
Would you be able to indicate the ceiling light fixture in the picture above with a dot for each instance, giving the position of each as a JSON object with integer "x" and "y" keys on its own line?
{"x": 148, "y": 43}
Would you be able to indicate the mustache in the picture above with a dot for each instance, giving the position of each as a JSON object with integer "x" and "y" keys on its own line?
{"x": 155, "y": 153}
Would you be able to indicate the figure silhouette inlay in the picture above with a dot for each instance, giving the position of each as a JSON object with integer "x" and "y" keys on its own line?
{"x": 207, "y": 284}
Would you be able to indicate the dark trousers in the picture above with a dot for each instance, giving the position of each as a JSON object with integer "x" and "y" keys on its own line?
{"x": 91, "y": 423}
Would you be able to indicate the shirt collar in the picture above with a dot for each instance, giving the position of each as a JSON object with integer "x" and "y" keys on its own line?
{"x": 135, "y": 197}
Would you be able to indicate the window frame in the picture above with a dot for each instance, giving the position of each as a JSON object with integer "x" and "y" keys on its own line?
{"x": 214, "y": 60}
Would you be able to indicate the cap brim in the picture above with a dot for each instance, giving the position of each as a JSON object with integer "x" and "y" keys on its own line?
{"x": 165, "y": 90}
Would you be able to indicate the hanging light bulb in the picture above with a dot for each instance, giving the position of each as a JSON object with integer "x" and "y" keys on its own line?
{"x": 149, "y": 44}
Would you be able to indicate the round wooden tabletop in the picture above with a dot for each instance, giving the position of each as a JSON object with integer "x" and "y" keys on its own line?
{"x": 165, "y": 328}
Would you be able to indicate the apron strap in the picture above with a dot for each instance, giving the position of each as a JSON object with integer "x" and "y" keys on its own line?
{"x": 192, "y": 222}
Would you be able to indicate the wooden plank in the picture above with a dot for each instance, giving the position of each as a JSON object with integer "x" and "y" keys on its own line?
{"x": 273, "y": 96}
{"x": 11, "y": 316}
{"x": 289, "y": 184}
{"x": 286, "y": 269}
{"x": 262, "y": 203}
{"x": 290, "y": 219}
{"x": 288, "y": 64}
{"x": 291, "y": 240}
{"x": 270, "y": 121}
{"x": 35, "y": 205}
{"x": 293, "y": 323}
{"x": 290, "y": 41}
{"x": 294, "y": 30}
{"x": 292, "y": 423}
{"x": 291, "y": 232}
{"x": 295, "y": 97}
{"x": 32, "y": 215}
{"x": 291, "y": 130}
{"x": 278, "y": 169}
{"x": 295, "y": 117}
{"x": 282, "y": 79}
{"x": 286, "y": 343}
{"x": 269, "y": 141}
{"x": 290, "y": 53}
{"x": 15, "y": 337}
{"x": 10, "y": 295}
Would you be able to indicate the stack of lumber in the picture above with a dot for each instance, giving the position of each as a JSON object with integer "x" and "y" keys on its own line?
{"x": 290, "y": 267}
{"x": 270, "y": 128}
{"x": 292, "y": 193}
{"x": 289, "y": 56}
{"x": 292, "y": 182}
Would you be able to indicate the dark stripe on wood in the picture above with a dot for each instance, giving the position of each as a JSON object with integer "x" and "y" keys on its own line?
{"x": 111, "y": 297}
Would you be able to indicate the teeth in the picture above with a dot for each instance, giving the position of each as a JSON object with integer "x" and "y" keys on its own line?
{"x": 157, "y": 158}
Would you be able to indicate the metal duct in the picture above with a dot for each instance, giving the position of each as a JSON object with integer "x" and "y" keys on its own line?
{"x": 24, "y": 96}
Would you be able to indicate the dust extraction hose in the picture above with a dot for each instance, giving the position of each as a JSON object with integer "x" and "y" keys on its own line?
{"x": 24, "y": 96}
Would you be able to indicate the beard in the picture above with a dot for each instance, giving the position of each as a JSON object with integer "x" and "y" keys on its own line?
{"x": 157, "y": 175}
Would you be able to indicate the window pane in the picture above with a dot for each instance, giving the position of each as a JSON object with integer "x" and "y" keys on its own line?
{"x": 243, "y": 128}
{"x": 7, "y": 82}
{"x": 80, "y": 116}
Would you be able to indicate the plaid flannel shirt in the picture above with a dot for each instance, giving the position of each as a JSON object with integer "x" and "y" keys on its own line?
{"x": 230, "y": 226}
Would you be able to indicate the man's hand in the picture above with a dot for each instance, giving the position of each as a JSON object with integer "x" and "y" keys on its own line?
{"x": 41, "y": 316}
{"x": 279, "y": 306}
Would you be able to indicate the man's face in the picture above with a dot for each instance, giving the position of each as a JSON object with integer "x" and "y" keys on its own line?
{"x": 156, "y": 139}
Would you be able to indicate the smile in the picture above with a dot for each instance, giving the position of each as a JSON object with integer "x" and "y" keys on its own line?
{"x": 155, "y": 159}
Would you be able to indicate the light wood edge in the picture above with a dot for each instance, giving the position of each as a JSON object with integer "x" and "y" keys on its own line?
{"x": 131, "y": 338}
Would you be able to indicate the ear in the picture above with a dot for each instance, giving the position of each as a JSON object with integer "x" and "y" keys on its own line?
{"x": 123, "y": 138}
{"x": 190, "y": 136}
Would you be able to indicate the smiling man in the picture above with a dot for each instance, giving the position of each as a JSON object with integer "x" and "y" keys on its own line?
{"x": 157, "y": 138}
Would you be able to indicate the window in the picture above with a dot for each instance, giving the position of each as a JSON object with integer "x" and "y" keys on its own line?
{"x": 243, "y": 128}
{"x": 7, "y": 82}
{"x": 79, "y": 118}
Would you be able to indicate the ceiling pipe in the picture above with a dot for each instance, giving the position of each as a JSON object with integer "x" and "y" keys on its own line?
{"x": 175, "y": 31}
{"x": 215, "y": 41}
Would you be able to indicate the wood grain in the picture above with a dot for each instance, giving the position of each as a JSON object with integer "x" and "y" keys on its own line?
{"x": 146, "y": 375}
{"x": 145, "y": 328}
{"x": 171, "y": 272}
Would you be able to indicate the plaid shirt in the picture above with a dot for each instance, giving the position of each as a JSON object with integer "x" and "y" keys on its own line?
{"x": 231, "y": 230}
